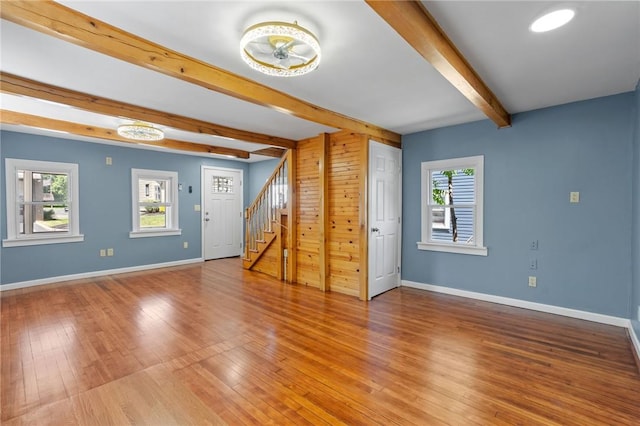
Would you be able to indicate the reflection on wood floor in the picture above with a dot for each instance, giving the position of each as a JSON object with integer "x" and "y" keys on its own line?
{"x": 214, "y": 344}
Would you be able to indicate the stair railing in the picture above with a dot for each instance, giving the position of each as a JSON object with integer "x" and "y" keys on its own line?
{"x": 261, "y": 215}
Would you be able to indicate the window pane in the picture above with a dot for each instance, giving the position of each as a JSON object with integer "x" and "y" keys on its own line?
{"x": 222, "y": 184}
{"x": 37, "y": 218}
{"x": 153, "y": 191}
{"x": 452, "y": 187}
{"x": 41, "y": 186}
{"x": 153, "y": 217}
{"x": 460, "y": 225}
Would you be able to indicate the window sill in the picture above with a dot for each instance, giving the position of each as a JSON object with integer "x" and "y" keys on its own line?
{"x": 450, "y": 248}
{"x": 155, "y": 233}
{"x": 40, "y": 240}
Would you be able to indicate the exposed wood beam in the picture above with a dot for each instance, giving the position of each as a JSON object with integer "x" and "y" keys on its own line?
{"x": 67, "y": 24}
{"x": 16, "y": 85}
{"x": 18, "y": 118}
{"x": 414, "y": 23}
{"x": 270, "y": 152}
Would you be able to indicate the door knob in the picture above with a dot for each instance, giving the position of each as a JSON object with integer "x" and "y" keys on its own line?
{"x": 206, "y": 219}
{"x": 375, "y": 230}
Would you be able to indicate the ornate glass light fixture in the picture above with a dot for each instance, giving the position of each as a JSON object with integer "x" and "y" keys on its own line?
{"x": 140, "y": 131}
{"x": 280, "y": 49}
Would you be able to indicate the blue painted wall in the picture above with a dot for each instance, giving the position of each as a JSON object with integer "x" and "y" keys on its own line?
{"x": 105, "y": 208}
{"x": 635, "y": 254}
{"x": 584, "y": 255}
{"x": 258, "y": 174}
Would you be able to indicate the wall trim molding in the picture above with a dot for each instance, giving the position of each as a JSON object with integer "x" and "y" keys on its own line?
{"x": 92, "y": 274}
{"x": 635, "y": 342}
{"x": 518, "y": 303}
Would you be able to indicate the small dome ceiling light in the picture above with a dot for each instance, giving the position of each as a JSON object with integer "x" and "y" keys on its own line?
{"x": 552, "y": 20}
{"x": 280, "y": 49}
{"x": 140, "y": 131}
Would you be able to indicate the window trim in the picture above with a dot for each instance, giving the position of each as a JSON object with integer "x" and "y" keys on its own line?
{"x": 172, "y": 227}
{"x": 426, "y": 243}
{"x": 14, "y": 239}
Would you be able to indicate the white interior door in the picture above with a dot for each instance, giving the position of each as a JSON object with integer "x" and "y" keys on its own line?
{"x": 222, "y": 213}
{"x": 385, "y": 186}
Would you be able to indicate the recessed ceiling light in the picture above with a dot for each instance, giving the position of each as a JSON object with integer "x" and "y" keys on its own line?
{"x": 552, "y": 20}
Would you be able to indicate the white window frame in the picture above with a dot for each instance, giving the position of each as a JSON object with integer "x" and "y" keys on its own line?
{"x": 171, "y": 205}
{"x": 14, "y": 238}
{"x": 427, "y": 243}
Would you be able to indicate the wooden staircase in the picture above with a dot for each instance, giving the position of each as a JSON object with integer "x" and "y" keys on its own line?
{"x": 267, "y": 223}
{"x": 261, "y": 247}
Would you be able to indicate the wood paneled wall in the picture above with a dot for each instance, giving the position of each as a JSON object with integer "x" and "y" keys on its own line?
{"x": 344, "y": 242}
{"x": 328, "y": 185}
{"x": 308, "y": 194}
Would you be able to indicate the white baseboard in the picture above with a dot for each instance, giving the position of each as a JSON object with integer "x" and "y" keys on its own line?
{"x": 92, "y": 274}
{"x": 558, "y": 310}
{"x": 634, "y": 339}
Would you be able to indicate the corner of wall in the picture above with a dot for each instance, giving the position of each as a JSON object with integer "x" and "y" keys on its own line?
{"x": 634, "y": 300}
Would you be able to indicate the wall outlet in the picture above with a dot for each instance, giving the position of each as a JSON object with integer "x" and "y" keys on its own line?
{"x": 103, "y": 252}
{"x": 533, "y": 264}
{"x": 533, "y": 245}
{"x": 109, "y": 252}
{"x": 533, "y": 282}
{"x": 196, "y": 208}
{"x": 185, "y": 244}
{"x": 108, "y": 161}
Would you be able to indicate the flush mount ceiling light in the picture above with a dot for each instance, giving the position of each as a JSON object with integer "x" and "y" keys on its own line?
{"x": 140, "y": 131}
{"x": 280, "y": 49}
{"x": 552, "y": 20}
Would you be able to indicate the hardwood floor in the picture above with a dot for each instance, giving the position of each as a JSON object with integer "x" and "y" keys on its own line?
{"x": 215, "y": 344}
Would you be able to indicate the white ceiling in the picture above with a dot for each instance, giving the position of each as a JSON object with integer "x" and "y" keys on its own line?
{"x": 368, "y": 71}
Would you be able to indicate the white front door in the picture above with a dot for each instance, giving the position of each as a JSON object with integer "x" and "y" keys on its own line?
{"x": 384, "y": 217}
{"x": 222, "y": 213}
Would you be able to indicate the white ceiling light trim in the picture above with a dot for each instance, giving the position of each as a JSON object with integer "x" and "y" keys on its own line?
{"x": 552, "y": 20}
{"x": 140, "y": 131}
{"x": 280, "y": 49}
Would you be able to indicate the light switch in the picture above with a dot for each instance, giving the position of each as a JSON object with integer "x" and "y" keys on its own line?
{"x": 109, "y": 161}
{"x": 196, "y": 208}
{"x": 574, "y": 197}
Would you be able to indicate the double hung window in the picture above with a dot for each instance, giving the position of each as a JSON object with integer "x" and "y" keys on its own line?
{"x": 155, "y": 203}
{"x": 452, "y": 205}
{"x": 42, "y": 203}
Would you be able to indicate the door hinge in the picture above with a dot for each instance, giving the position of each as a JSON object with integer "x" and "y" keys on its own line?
{"x": 398, "y": 269}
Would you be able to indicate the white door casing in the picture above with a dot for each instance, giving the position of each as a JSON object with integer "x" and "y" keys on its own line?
{"x": 385, "y": 185}
{"x": 221, "y": 212}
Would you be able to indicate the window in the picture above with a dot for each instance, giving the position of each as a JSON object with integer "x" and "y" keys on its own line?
{"x": 155, "y": 203}
{"x": 42, "y": 203}
{"x": 222, "y": 185}
{"x": 452, "y": 205}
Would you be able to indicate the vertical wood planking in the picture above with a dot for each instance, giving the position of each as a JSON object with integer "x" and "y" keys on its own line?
{"x": 308, "y": 215}
{"x": 364, "y": 218}
{"x": 344, "y": 174}
{"x": 292, "y": 206}
{"x": 324, "y": 211}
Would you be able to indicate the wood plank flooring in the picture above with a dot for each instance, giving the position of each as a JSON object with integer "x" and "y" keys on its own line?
{"x": 215, "y": 344}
